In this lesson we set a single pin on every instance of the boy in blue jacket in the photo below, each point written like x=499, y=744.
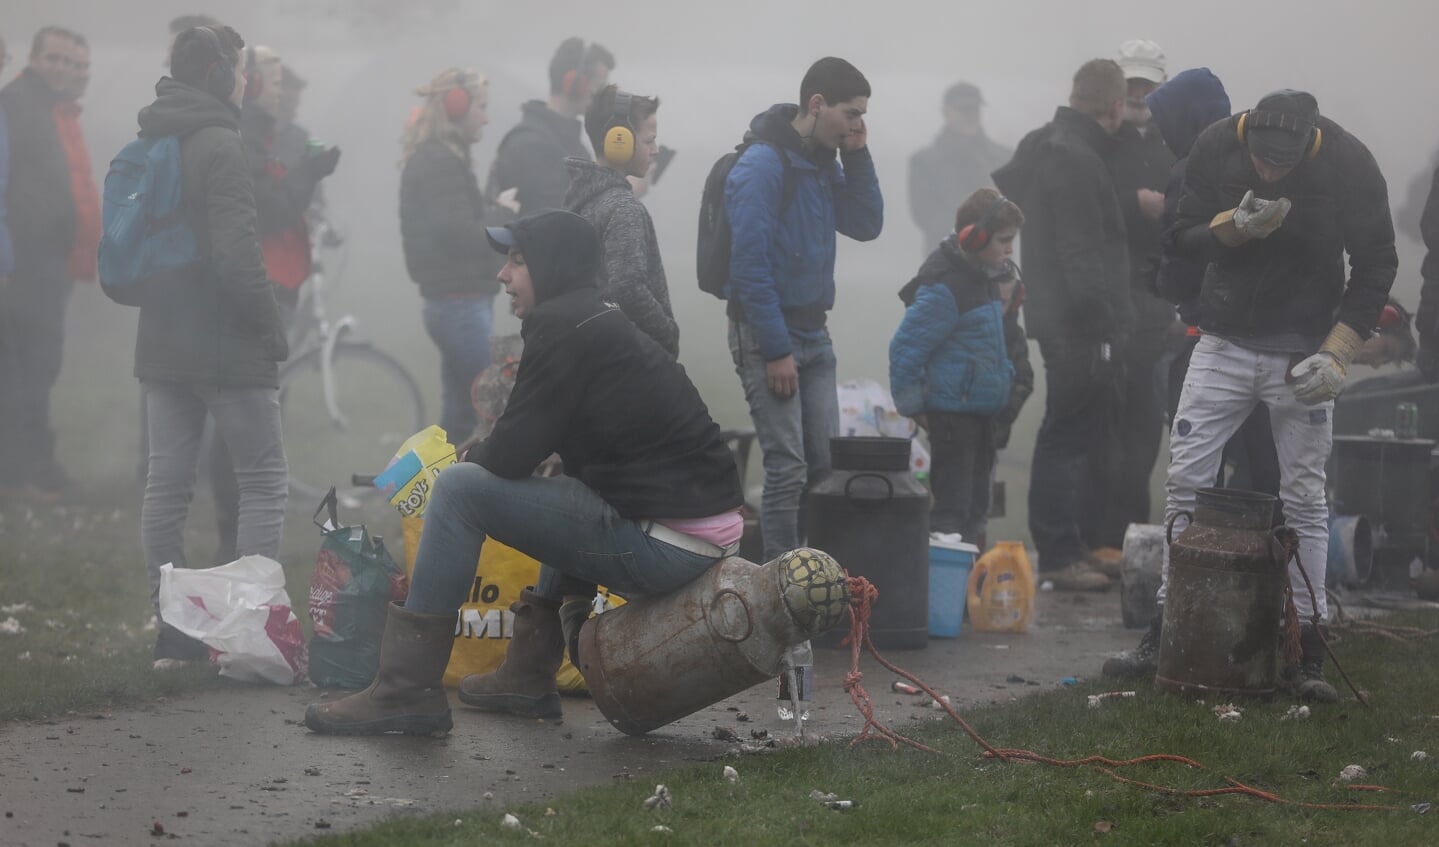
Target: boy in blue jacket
x=951, y=367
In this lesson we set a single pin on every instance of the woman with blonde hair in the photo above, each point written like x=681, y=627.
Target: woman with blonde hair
x=443, y=216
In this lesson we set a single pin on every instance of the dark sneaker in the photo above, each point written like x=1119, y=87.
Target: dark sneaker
x=1142, y=661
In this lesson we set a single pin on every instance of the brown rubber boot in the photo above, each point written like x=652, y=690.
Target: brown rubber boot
x=524, y=683
x=408, y=694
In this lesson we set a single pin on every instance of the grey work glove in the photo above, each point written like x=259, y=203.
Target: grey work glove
x=1252, y=218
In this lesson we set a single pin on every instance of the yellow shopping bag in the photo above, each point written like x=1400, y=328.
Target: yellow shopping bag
x=410, y=477
x=486, y=624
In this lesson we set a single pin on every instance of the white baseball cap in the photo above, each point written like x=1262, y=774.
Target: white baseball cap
x=1142, y=59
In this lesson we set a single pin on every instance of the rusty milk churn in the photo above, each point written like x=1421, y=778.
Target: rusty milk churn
x=1225, y=599
x=657, y=659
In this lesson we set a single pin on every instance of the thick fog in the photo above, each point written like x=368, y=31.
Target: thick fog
x=713, y=65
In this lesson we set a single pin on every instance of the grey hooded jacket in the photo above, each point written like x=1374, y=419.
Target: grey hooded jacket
x=631, y=274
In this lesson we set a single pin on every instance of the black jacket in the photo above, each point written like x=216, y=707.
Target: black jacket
x=1292, y=281
x=442, y=225
x=1141, y=160
x=216, y=324
x=532, y=157
x=1426, y=321
x=620, y=411
x=1075, y=252
x=40, y=206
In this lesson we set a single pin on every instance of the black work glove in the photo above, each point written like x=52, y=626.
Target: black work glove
x=319, y=165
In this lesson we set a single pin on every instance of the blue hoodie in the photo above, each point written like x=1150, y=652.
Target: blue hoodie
x=782, y=253
x=1182, y=108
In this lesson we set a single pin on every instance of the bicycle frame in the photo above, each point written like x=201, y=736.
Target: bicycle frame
x=315, y=328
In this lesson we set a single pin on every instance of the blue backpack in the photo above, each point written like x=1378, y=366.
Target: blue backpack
x=146, y=235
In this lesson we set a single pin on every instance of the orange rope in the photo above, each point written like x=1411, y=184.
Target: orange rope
x=863, y=594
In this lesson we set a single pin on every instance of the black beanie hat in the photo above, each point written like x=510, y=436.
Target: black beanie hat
x=1279, y=128
x=560, y=248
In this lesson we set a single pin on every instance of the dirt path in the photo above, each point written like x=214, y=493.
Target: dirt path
x=236, y=767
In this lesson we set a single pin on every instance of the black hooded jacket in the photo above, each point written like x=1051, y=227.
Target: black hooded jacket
x=620, y=411
x=1293, y=281
x=1427, y=319
x=1074, y=250
x=531, y=158
x=216, y=324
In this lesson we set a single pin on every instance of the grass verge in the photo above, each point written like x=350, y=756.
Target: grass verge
x=912, y=797
x=72, y=578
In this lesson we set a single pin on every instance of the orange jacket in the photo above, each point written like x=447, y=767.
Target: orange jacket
x=88, y=225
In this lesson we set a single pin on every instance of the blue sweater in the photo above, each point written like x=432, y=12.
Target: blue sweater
x=949, y=353
x=782, y=262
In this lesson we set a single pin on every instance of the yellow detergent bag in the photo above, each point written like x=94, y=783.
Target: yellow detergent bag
x=409, y=479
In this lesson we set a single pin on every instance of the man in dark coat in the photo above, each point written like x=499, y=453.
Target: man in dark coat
x=1140, y=165
x=531, y=157
x=953, y=167
x=210, y=339
x=1427, y=320
x=1078, y=306
x=43, y=222
x=1274, y=199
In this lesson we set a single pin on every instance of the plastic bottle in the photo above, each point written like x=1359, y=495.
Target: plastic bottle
x=1001, y=590
x=799, y=662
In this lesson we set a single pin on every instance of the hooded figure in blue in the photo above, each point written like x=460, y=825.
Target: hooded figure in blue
x=1182, y=108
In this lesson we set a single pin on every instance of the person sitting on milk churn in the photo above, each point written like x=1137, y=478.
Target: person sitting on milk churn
x=1273, y=200
x=649, y=501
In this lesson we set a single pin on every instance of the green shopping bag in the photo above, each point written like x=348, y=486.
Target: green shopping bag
x=355, y=579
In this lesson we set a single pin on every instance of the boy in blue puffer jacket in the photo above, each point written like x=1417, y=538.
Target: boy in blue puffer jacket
x=950, y=367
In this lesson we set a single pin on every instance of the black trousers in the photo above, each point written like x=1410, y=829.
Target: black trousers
x=32, y=346
x=961, y=460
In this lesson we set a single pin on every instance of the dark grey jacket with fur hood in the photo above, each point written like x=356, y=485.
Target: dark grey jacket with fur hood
x=631, y=275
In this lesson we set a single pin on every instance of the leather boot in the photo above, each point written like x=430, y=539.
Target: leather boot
x=1142, y=661
x=524, y=683
x=408, y=694
x=1306, y=679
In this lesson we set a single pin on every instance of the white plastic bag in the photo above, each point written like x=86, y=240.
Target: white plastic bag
x=240, y=610
x=866, y=408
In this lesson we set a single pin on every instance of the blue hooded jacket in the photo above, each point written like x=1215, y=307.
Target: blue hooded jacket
x=1182, y=108
x=782, y=260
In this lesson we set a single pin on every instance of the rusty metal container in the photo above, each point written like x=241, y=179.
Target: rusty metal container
x=1225, y=598
x=657, y=659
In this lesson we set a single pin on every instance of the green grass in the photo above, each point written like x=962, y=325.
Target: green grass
x=912, y=797
x=79, y=572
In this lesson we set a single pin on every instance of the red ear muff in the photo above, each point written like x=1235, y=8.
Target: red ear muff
x=576, y=85
x=973, y=238
x=457, y=103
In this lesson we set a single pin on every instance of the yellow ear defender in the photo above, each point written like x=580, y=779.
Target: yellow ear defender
x=620, y=135
x=1314, y=144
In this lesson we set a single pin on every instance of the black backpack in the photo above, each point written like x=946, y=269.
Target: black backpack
x=712, y=247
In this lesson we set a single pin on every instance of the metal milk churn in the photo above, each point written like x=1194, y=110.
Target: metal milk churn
x=873, y=515
x=1224, y=605
x=657, y=659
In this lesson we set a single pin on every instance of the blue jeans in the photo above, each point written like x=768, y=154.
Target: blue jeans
x=580, y=540
x=460, y=327
x=794, y=433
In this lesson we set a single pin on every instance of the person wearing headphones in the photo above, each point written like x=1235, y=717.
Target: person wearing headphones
x=622, y=128
x=951, y=366
x=1273, y=200
x=210, y=339
x=531, y=158
x=443, y=216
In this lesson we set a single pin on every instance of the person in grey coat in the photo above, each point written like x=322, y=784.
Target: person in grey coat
x=623, y=128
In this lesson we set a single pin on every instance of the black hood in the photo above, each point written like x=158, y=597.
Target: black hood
x=1185, y=106
x=180, y=109
x=775, y=126
x=561, y=250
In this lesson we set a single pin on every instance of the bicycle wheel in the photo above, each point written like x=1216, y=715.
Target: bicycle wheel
x=379, y=406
